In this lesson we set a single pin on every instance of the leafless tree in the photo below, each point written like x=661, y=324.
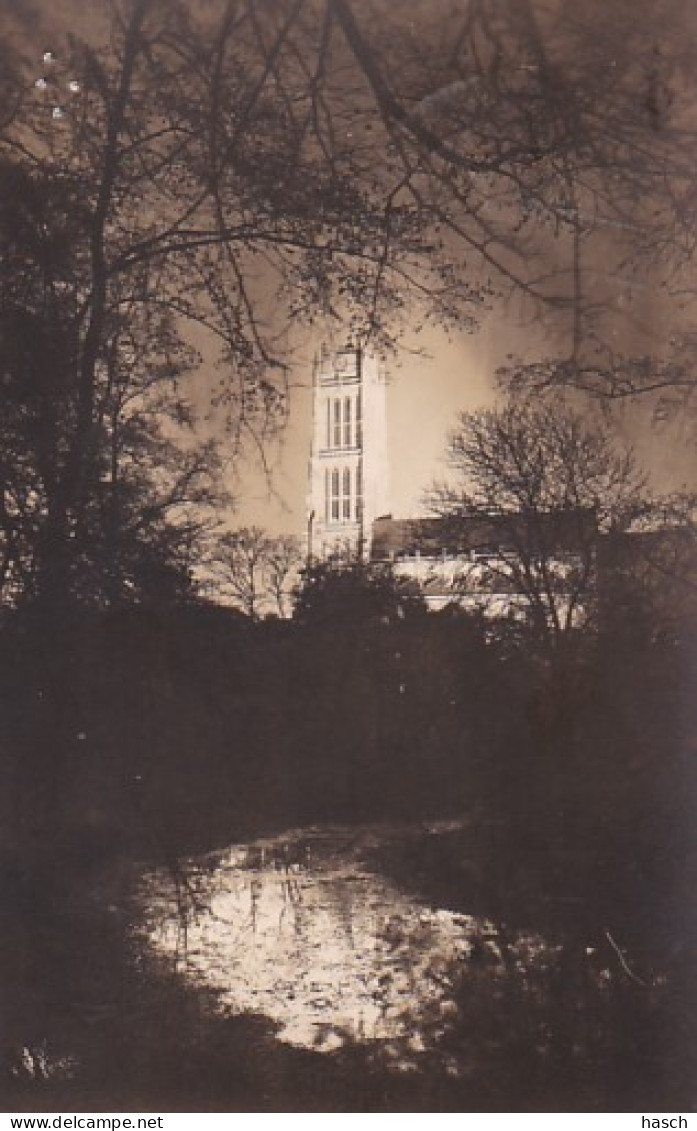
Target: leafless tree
x=557, y=148
x=254, y=569
x=539, y=481
x=283, y=558
x=553, y=147
x=239, y=568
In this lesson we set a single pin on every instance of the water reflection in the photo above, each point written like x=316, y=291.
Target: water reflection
x=305, y=932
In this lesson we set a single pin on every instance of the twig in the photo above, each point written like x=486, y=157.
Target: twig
x=623, y=962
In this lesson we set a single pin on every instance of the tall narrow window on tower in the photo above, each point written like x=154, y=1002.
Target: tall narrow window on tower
x=347, y=422
x=335, y=495
x=359, y=490
x=359, y=420
x=337, y=423
x=346, y=509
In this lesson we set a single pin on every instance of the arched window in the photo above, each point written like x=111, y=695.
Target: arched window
x=359, y=491
x=359, y=422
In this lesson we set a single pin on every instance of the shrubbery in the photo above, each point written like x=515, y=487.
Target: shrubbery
x=148, y=734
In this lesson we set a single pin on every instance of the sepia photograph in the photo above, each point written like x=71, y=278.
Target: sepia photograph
x=348, y=556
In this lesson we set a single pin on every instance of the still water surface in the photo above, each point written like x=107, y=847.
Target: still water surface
x=305, y=930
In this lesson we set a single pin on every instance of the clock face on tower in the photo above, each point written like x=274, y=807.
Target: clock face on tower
x=346, y=363
x=338, y=368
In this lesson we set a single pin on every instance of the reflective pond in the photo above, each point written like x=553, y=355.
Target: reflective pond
x=307, y=931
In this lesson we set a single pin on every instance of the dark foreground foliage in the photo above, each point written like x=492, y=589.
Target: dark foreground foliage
x=148, y=734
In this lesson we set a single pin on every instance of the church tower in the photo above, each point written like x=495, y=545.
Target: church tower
x=348, y=463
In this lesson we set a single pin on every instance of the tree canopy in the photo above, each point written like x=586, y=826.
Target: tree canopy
x=348, y=594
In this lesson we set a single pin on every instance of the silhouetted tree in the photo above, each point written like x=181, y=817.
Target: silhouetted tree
x=143, y=497
x=239, y=567
x=539, y=481
x=283, y=558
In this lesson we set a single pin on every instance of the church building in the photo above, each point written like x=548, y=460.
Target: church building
x=459, y=561
x=498, y=563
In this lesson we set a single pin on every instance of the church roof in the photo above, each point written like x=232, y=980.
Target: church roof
x=464, y=534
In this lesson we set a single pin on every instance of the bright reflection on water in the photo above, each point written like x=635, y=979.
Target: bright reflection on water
x=304, y=930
